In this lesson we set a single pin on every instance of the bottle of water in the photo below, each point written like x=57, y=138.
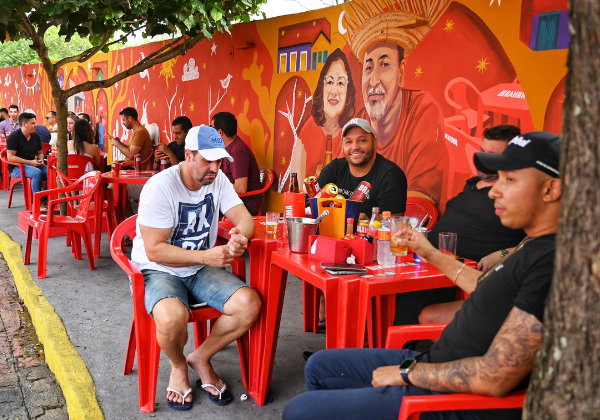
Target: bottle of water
x=384, y=256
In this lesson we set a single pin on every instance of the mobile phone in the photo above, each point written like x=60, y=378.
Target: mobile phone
x=342, y=267
x=338, y=273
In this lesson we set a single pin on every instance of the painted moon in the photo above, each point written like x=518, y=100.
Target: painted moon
x=340, y=24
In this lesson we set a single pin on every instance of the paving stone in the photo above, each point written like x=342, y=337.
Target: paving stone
x=55, y=414
x=10, y=394
x=13, y=411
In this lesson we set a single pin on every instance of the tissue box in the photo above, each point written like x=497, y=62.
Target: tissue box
x=330, y=250
x=362, y=250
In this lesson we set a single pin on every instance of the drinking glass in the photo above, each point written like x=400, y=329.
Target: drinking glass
x=398, y=223
x=272, y=220
x=447, y=243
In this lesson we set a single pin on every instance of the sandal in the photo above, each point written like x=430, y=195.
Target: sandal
x=182, y=406
x=224, y=396
x=321, y=324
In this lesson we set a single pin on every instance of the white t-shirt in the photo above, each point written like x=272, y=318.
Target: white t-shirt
x=192, y=216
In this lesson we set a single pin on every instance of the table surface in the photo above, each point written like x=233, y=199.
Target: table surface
x=128, y=176
x=490, y=97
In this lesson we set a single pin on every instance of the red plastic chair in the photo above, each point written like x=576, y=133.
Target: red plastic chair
x=76, y=223
x=464, y=93
x=412, y=407
x=45, y=148
x=9, y=182
x=423, y=210
x=267, y=176
x=77, y=165
x=148, y=163
x=143, y=330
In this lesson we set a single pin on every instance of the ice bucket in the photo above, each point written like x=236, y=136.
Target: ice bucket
x=298, y=234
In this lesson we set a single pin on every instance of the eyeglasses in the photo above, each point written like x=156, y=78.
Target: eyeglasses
x=341, y=83
x=49, y=117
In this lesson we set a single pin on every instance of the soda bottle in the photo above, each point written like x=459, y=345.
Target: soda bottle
x=137, y=159
x=349, y=230
x=374, y=224
x=384, y=256
x=294, y=188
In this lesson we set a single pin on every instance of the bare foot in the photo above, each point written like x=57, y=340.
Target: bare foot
x=179, y=381
x=206, y=373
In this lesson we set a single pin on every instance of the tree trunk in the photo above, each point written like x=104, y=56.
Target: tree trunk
x=565, y=383
x=62, y=136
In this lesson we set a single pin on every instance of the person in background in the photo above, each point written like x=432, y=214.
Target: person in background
x=51, y=122
x=83, y=144
x=3, y=114
x=11, y=123
x=71, y=120
x=85, y=117
x=41, y=130
x=175, y=150
x=243, y=172
x=140, y=142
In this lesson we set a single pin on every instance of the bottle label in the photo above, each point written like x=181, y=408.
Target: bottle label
x=384, y=236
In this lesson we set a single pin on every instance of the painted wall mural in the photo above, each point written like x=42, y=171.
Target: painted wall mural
x=430, y=75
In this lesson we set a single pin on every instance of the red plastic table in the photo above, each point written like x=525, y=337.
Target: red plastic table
x=125, y=177
x=505, y=99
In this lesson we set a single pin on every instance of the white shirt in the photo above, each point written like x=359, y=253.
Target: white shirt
x=192, y=216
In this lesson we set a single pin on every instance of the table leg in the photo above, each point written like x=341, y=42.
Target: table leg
x=98, y=204
x=309, y=293
x=332, y=302
x=348, y=318
x=363, y=306
x=122, y=207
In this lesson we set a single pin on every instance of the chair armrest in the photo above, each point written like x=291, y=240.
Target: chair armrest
x=414, y=405
x=397, y=337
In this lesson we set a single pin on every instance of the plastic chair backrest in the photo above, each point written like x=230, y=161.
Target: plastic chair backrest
x=77, y=165
x=267, y=177
x=45, y=148
x=90, y=183
x=126, y=228
x=458, y=86
x=423, y=210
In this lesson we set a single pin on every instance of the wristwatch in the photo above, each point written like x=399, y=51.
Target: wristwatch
x=504, y=253
x=405, y=367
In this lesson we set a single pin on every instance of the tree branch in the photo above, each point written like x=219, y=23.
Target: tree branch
x=84, y=56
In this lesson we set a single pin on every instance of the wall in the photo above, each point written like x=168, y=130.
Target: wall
x=470, y=67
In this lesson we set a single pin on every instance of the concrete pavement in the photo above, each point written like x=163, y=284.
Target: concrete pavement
x=95, y=307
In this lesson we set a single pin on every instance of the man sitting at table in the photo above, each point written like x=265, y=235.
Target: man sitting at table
x=490, y=347
x=175, y=250
x=361, y=162
x=175, y=150
x=24, y=146
x=472, y=217
x=243, y=172
x=140, y=142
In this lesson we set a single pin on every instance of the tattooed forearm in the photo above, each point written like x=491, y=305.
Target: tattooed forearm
x=509, y=359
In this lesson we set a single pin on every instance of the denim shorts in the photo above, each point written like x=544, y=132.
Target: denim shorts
x=211, y=285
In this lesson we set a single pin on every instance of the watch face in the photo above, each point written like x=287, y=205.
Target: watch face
x=408, y=363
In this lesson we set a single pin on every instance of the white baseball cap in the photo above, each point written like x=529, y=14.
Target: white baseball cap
x=357, y=122
x=208, y=142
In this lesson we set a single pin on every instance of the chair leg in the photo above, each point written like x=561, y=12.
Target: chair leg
x=200, y=333
x=89, y=250
x=148, y=356
x=243, y=344
x=76, y=245
x=42, y=251
x=130, y=350
x=28, y=245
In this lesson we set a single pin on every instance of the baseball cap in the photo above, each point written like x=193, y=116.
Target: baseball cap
x=208, y=142
x=29, y=111
x=357, y=122
x=537, y=149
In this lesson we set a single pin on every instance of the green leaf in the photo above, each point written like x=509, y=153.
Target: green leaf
x=216, y=14
x=245, y=18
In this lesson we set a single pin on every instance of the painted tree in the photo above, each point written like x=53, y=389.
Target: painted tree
x=186, y=21
x=566, y=381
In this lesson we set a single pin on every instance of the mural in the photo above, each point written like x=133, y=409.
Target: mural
x=429, y=75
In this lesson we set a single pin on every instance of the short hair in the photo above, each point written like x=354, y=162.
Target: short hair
x=4, y=110
x=13, y=106
x=129, y=112
x=69, y=113
x=225, y=121
x=85, y=116
x=501, y=132
x=25, y=117
x=184, y=122
x=53, y=113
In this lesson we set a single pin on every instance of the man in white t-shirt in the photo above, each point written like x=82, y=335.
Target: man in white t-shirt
x=175, y=250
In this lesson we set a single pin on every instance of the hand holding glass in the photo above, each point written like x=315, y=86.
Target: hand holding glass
x=399, y=230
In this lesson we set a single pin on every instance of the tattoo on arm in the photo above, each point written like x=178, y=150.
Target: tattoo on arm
x=509, y=359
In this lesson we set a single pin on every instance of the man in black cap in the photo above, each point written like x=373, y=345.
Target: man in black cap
x=491, y=345
x=361, y=162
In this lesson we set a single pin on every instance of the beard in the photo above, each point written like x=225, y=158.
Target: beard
x=376, y=108
x=487, y=177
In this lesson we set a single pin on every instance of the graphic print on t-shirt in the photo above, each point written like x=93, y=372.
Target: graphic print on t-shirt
x=194, y=224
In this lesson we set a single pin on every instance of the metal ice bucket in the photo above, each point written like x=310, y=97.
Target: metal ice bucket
x=298, y=234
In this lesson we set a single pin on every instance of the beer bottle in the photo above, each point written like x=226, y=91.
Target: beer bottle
x=328, y=152
x=294, y=188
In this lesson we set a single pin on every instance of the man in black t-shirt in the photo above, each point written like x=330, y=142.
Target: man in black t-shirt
x=471, y=216
x=175, y=150
x=24, y=146
x=491, y=345
x=361, y=162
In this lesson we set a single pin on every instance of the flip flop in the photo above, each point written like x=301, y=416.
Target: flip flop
x=321, y=325
x=224, y=396
x=183, y=406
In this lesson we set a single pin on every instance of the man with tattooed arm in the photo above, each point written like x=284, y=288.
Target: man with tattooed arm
x=491, y=345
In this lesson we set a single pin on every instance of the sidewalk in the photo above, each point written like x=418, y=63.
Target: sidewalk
x=28, y=389
x=95, y=308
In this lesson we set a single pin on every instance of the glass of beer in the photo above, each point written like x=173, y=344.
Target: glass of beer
x=447, y=243
x=399, y=223
x=272, y=219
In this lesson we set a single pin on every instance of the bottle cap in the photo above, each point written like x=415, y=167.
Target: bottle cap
x=387, y=214
x=350, y=220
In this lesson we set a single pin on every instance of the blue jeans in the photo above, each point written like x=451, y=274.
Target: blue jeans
x=37, y=176
x=339, y=387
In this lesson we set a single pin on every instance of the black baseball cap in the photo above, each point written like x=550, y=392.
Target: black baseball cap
x=537, y=149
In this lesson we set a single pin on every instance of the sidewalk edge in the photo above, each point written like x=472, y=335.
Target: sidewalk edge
x=63, y=360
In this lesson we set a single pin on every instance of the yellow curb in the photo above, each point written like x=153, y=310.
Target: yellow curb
x=70, y=370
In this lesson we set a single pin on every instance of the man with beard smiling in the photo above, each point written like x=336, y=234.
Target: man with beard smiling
x=361, y=162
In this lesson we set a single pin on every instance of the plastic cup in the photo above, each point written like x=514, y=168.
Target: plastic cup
x=398, y=223
x=272, y=220
x=447, y=243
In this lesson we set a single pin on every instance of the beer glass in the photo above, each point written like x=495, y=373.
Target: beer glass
x=398, y=223
x=447, y=243
x=272, y=219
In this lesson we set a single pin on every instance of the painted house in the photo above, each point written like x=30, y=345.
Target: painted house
x=303, y=46
x=545, y=24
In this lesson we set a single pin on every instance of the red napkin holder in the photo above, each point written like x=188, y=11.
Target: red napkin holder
x=362, y=250
x=329, y=250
